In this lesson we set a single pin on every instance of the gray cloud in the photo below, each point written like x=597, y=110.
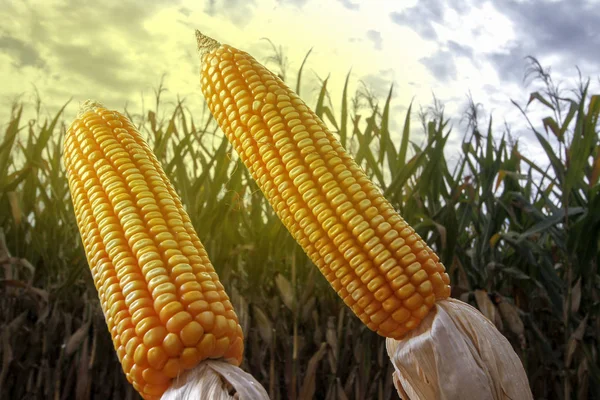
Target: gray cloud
x=127, y=16
x=72, y=43
x=422, y=16
x=349, y=4
x=299, y=3
x=567, y=28
x=510, y=63
x=564, y=28
x=103, y=66
x=185, y=11
x=441, y=65
x=375, y=37
x=25, y=55
x=459, y=49
x=423, y=27
x=237, y=11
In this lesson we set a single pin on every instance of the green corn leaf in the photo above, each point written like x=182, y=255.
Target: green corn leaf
x=298, y=81
x=386, y=144
x=344, y=116
x=321, y=99
x=537, y=96
x=404, y=141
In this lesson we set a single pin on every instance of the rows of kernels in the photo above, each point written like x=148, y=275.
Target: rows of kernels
x=379, y=266
x=163, y=302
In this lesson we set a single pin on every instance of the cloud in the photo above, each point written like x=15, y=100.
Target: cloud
x=423, y=16
x=460, y=50
x=78, y=49
x=299, y=3
x=510, y=62
x=128, y=17
x=441, y=65
x=23, y=53
x=375, y=37
x=422, y=25
x=566, y=30
x=562, y=33
x=240, y=12
x=97, y=55
x=185, y=11
x=74, y=43
x=349, y=4
x=103, y=66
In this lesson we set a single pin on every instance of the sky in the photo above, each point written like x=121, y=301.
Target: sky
x=116, y=51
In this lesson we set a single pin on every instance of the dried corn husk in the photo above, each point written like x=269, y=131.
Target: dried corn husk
x=215, y=380
x=488, y=309
x=457, y=353
x=511, y=315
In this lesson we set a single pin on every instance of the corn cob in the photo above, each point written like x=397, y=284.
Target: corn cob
x=375, y=261
x=441, y=348
x=163, y=303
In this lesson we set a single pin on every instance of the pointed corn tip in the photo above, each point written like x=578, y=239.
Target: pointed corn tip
x=205, y=44
x=88, y=105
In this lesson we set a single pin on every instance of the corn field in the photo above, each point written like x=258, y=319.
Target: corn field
x=520, y=242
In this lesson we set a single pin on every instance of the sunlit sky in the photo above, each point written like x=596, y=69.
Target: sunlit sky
x=115, y=51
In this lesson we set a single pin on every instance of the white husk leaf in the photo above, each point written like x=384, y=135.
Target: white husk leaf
x=213, y=379
x=457, y=353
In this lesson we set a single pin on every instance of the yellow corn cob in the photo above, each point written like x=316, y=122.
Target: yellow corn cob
x=163, y=303
x=375, y=261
